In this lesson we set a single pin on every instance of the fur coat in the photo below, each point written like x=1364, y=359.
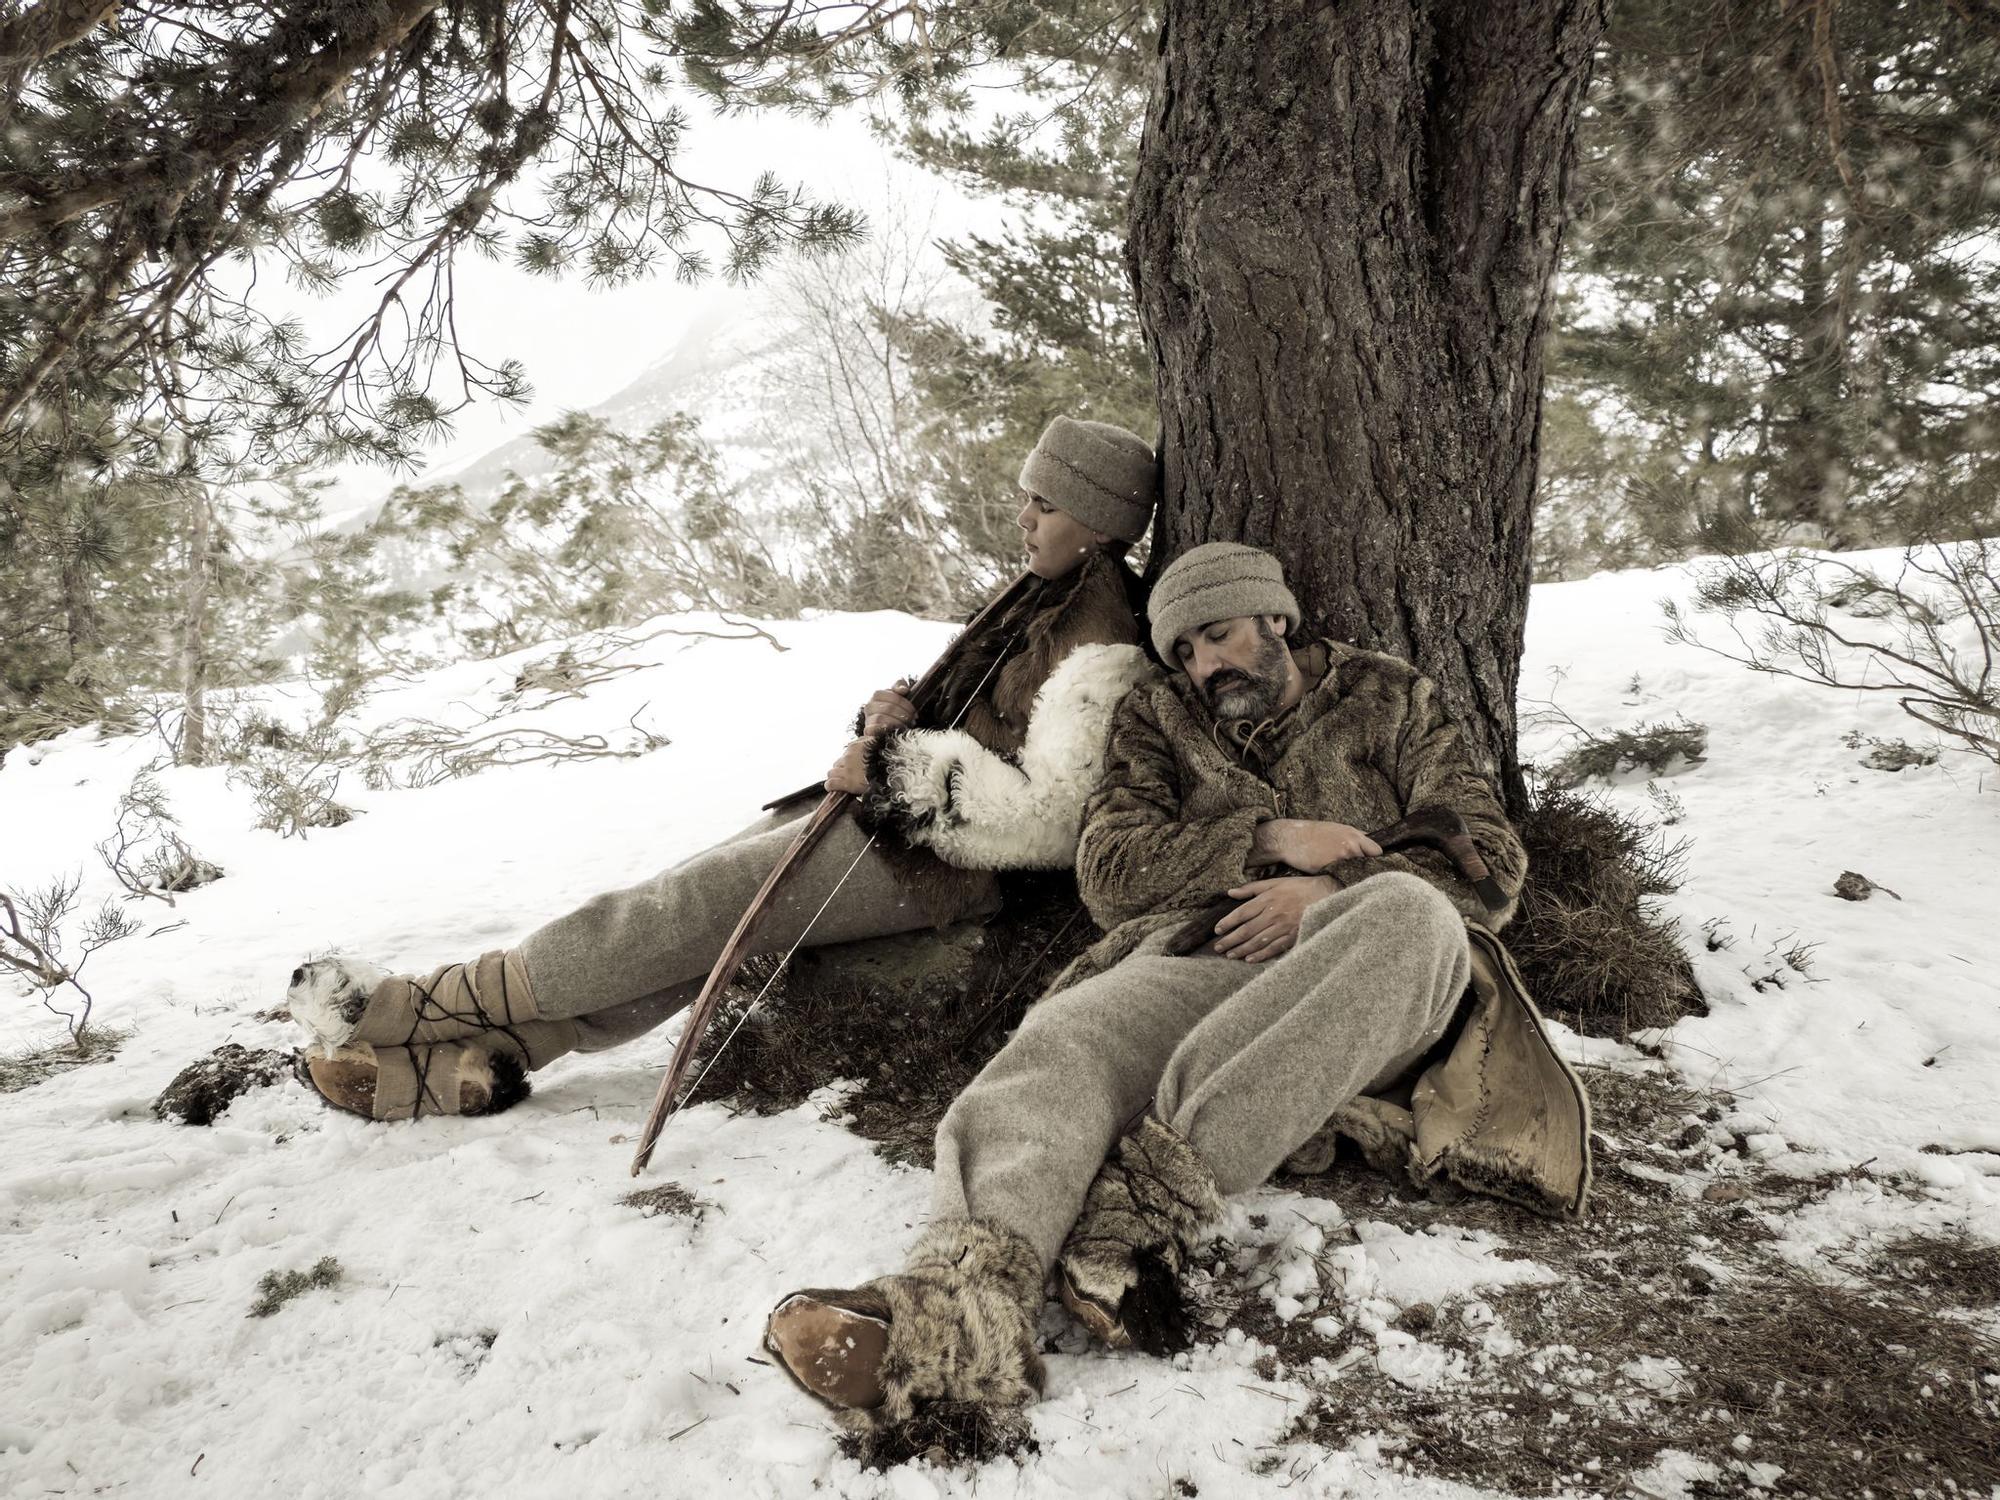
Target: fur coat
x=1000, y=783
x=1168, y=831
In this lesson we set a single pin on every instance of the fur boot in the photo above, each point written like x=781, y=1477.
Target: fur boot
x=956, y=1325
x=481, y=1077
x=1120, y=1267
x=347, y=1000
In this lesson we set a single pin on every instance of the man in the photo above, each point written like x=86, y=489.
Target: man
x=1249, y=772
x=995, y=779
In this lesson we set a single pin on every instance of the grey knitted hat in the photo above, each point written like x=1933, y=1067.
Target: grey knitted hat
x=1102, y=475
x=1216, y=581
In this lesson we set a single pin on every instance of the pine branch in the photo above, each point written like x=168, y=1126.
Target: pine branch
x=43, y=30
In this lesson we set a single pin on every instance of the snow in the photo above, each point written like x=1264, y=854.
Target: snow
x=505, y=1324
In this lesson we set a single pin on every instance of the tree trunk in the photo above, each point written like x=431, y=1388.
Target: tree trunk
x=194, y=627
x=1344, y=237
x=79, y=597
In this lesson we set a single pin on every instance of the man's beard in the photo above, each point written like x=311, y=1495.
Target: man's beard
x=1251, y=693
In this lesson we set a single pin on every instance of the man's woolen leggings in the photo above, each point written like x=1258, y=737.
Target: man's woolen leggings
x=1245, y=1061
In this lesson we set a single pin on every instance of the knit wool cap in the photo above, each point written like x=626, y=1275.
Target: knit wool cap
x=1216, y=581
x=1102, y=475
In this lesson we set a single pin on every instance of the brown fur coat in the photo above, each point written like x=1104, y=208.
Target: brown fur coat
x=1169, y=828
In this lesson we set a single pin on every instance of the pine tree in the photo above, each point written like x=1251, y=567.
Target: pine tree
x=1064, y=338
x=1783, y=276
x=621, y=528
x=143, y=163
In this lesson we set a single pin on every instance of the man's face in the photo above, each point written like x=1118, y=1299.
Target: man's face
x=1237, y=666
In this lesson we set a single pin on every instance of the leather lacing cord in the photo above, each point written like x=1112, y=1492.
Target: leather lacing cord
x=430, y=1008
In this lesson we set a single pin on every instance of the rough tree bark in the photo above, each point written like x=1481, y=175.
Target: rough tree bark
x=1344, y=235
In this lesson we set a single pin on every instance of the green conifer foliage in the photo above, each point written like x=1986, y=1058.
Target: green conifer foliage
x=1064, y=338
x=1783, y=296
x=146, y=167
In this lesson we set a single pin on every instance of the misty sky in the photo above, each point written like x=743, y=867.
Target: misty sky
x=581, y=345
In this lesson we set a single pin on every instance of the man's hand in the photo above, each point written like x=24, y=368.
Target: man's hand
x=1307, y=845
x=1267, y=923
x=888, y=710
x=848, y=774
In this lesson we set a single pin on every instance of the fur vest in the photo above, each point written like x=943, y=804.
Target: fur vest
x=1168, y=831
x=1000, y=781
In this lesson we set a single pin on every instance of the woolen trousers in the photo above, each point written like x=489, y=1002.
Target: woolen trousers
x=1245, y=1061
x=627, y=960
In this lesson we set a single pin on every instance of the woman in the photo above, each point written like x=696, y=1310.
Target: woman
x=993, y=777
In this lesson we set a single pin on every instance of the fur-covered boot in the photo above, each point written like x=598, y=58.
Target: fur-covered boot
x=481, y=1077
x=1120, y=1267
x=347, y=1000
x=956, y=1325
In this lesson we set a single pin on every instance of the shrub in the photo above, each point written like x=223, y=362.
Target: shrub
x=1930, y=634
x=1657, y=747
x=1591, y=947
x=276, y=1288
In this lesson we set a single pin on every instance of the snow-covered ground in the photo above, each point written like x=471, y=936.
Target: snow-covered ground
x=506, y=1326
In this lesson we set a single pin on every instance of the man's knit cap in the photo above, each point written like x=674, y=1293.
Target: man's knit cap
x=1102, y=475
x=1216, y=581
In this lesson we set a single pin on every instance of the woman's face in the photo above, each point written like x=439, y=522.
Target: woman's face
x=1057, y=542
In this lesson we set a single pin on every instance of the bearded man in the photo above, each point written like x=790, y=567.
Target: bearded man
x=1349, y=993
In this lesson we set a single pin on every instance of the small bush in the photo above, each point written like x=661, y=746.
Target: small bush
x=1889, y=755
x=33, y=1065
x=1591, y=949
x=292, y=798
x=165, y=869
x=1657, y=747
x=34, y=928
x=1928, y=629
x=276, y=1288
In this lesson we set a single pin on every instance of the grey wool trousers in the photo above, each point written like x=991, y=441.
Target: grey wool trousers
x=1245, y=1061
x=626, y=960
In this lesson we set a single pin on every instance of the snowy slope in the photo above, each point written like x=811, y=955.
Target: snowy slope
x=506, y=1326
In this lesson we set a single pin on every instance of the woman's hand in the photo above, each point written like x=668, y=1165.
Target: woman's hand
x=887, y=710
x=1267, y=923
x=849, y=773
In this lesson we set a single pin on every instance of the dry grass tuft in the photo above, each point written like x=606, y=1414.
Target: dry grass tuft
x=668, y=1198
x=1657, y=747
x=33, y=1065
x=1941, y=1268
x=946, y=1433
x=276, y=1288
x=1591, y=950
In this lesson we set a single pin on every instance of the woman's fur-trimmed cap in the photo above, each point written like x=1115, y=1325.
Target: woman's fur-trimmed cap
x=1216, y=581
x=1101, y=474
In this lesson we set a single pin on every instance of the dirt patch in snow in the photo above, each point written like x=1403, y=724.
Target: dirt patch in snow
x=1672, y=1323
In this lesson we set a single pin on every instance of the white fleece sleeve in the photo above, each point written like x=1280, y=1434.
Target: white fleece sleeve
x=983, y=811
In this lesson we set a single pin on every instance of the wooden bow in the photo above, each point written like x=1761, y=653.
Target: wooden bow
x=738, y=948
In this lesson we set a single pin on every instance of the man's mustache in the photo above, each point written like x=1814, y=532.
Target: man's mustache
x=1222, y=681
